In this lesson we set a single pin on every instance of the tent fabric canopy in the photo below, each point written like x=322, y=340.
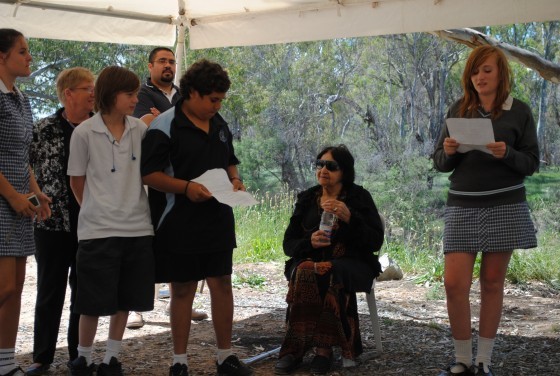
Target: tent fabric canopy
x=221, y=23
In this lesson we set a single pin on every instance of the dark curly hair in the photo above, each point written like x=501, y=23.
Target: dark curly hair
x=205, y=77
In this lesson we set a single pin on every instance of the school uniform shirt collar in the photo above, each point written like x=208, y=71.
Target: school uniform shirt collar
x=99, y=126
x=5, y=90
x=506, y=106
x=3, y=87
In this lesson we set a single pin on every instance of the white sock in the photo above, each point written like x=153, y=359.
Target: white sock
x=113, y=349
x=484, y=352
x=180, y=358
x=86, y=353
x=223, y=354
x=463, y=354
x=7, y=360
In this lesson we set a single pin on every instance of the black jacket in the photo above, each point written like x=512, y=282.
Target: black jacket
x=362, y=237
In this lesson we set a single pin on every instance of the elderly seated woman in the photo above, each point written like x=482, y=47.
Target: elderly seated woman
x=326, y=269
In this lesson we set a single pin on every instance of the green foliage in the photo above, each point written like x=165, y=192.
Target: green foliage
x=260, y=228
x=50, y=57
x=431, y=271
x=436, y=292
x=252, y=280
x=385, y=97
x=413, y=214
x=411, y=207
x=542, y=187
x=541, y=264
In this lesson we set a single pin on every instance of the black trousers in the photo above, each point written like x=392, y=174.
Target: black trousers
x=56, y=266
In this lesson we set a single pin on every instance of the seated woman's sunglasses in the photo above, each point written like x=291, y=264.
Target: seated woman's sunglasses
x=330, y=165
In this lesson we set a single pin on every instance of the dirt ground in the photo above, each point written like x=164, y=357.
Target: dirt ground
x=414, y=330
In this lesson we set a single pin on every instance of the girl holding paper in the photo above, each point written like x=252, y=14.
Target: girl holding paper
x=486, y=209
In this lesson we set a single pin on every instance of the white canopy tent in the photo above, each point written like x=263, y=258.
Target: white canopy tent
x=219, y=23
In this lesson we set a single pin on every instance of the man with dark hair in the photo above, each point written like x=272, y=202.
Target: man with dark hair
x=195, y=236
x=157, y=95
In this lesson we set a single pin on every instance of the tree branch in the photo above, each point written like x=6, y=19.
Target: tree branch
x=472, y=38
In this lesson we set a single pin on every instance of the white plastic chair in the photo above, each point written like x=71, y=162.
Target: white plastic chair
x=374, y=318
x=373, y=315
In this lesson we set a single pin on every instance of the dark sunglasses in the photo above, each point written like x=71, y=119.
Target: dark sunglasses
x=330, y=165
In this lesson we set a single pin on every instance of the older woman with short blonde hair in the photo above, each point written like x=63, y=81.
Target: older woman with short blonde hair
x=55, y=238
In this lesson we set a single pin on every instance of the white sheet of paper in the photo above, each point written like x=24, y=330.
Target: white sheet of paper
x=471, y=134
x=217, y=182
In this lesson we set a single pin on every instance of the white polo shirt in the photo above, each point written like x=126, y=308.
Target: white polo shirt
x=114, y=202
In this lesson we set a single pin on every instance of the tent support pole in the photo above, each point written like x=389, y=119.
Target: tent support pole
x=180, y=54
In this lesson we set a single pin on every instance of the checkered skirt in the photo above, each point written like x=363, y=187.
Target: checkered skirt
x=493, y=229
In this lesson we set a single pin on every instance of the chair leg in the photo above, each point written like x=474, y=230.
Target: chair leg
x=374, y=317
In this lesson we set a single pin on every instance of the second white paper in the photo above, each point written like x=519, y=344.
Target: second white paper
x=217, y=182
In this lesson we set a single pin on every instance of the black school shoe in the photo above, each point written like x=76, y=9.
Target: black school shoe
x=286, y=365
x=468, y=371
x=38, y=370
x=79, y=367
x=320, y=364
x=480, y=371
x=114, y=368
x=179, y=369
x=232, y=366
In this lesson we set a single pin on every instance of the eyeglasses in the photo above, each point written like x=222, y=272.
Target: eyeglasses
x=89, y=89
x=164, y=61
x=330, y=165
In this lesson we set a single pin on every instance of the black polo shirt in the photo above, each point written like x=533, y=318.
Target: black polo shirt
x=173, y=144
x=150, y=96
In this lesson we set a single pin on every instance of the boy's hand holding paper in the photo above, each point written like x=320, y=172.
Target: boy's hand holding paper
x=217, y=182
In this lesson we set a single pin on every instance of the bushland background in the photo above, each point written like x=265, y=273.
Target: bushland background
x=386, y=99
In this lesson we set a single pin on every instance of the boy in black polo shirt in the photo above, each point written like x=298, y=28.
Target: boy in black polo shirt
x=157, y=95
x=195, y=236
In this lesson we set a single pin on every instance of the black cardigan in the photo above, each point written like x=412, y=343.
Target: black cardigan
x=476, y=173
x=362, y=237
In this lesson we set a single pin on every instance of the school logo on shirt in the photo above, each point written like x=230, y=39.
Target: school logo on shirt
x=223, y=136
